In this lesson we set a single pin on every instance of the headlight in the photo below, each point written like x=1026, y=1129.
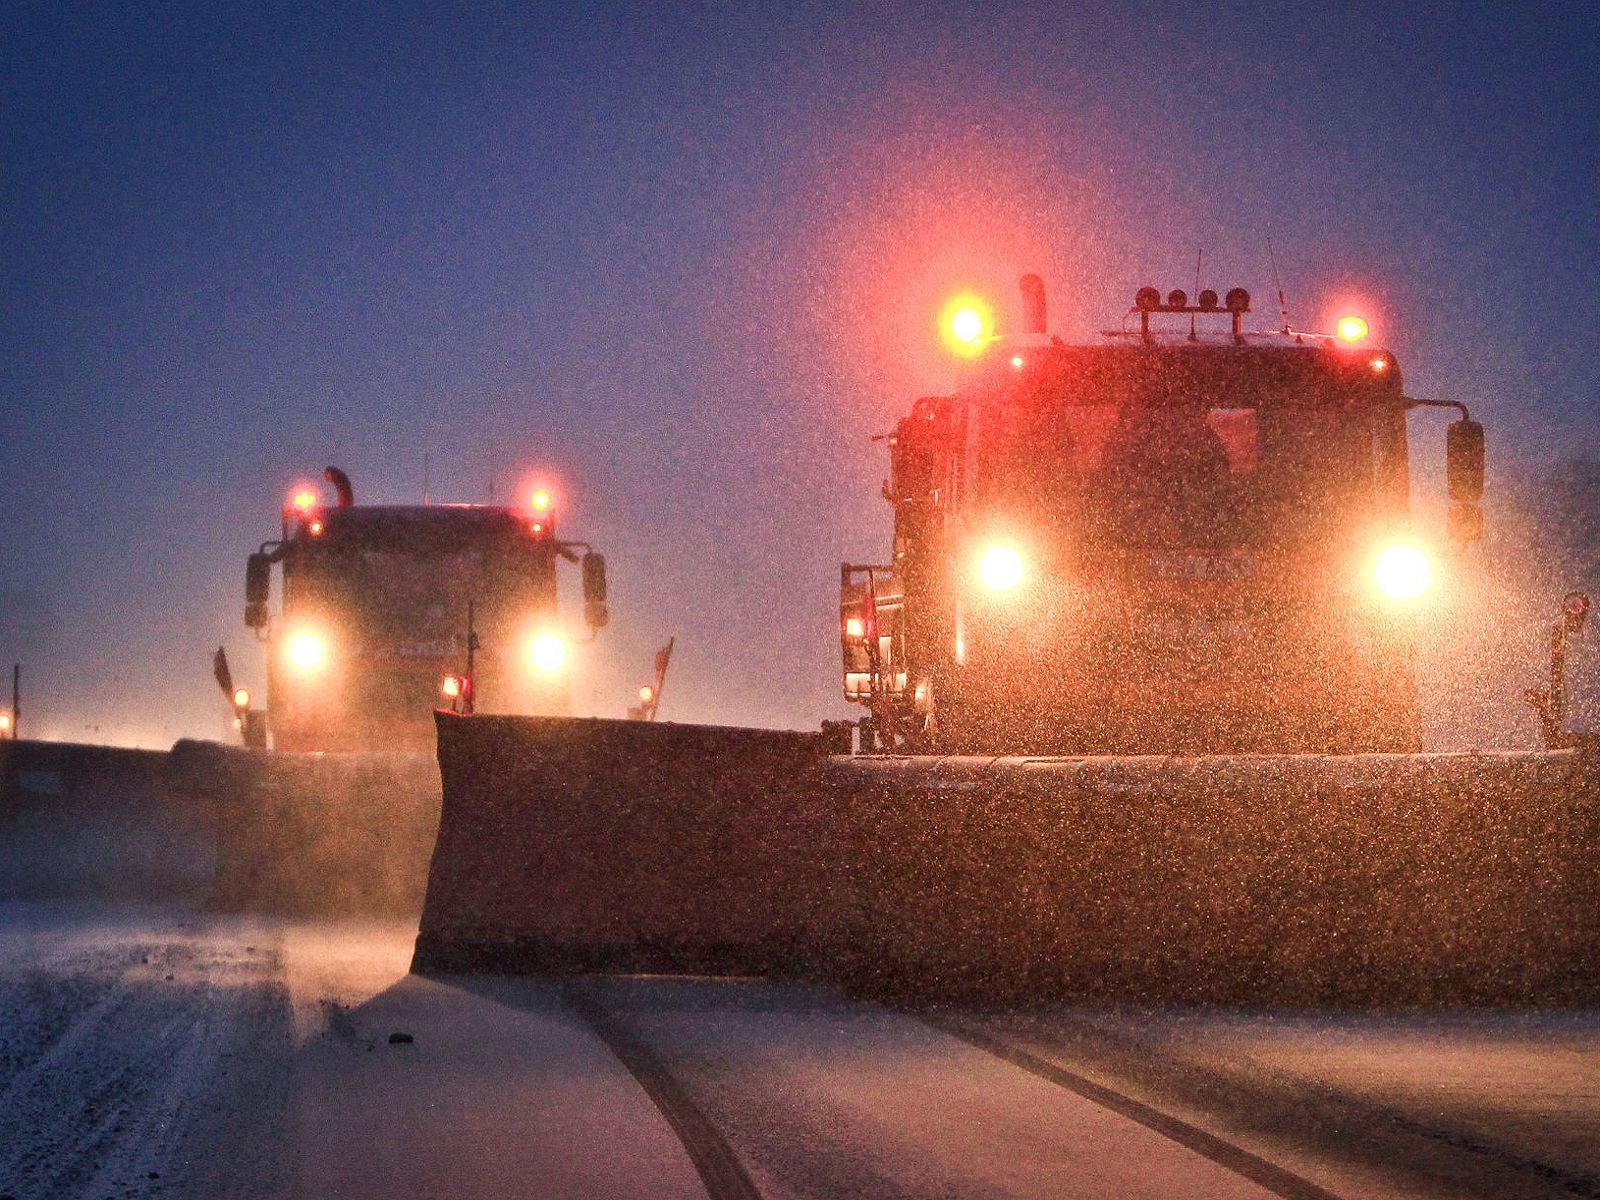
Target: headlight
x=1402, y=571
x=548, y=652
x=307, y=651
x=1000, y=568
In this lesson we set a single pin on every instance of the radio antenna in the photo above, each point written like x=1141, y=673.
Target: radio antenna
x=427, y=478
x=1283, y=301
x=1199, y=257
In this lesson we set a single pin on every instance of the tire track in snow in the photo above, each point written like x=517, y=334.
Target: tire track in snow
x=101, y=1109
x=1242, y=1162
x=720, y=1169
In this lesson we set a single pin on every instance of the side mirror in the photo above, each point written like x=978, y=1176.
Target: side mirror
x=257, y=587
x=595, y=613
x=1464, y=460
x=594, y=578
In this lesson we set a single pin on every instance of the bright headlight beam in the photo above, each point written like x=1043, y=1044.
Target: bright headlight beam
x=1402, y=571
x=1000, y=568
x=549, y=652
x=306, y=651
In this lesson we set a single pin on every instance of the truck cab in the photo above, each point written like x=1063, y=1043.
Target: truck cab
x=389, y=611
x=1173, y=542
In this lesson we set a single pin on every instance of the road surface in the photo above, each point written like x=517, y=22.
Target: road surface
x=146, y=1053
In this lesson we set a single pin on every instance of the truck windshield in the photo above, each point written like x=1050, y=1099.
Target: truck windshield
x=1178, y=476
x=413, y=602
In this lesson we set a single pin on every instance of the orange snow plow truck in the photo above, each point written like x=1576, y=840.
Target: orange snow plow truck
x=1142, y=722
x=385, y=613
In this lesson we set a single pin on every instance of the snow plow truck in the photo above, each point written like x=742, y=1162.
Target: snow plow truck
x=385, y=613
x=1142, y=722
x=1172, y=543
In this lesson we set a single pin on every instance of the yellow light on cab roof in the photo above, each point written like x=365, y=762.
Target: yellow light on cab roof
x=1351, y=329
x=967, y=325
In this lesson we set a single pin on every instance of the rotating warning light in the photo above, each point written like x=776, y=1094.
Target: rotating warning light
x=450, y=687
x=5, y=722
x=1351, y=329
x=646, y=694
x=304, y=500
x=1000, y=567
x=241, y=698
x=967, y=325
x=855, y=627
x=307, y=651
x=548, y=652
x=540, y=500
x=1402, y=571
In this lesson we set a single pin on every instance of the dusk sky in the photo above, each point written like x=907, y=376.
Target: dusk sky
x=683, y=262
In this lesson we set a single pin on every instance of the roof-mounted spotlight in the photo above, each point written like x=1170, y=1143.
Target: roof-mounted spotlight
x=1208, y=301
x=1177, y=298
x=1237, y=301
x=1147, y=299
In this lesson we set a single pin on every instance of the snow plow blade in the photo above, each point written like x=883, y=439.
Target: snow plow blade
x=312, y=834
x=1294, y=880
x=593, y=845
x=97, y=823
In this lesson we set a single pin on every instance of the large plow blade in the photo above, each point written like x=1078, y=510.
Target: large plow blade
x=97, y=822
x=218, y=826
x=627, y=845
x=1370, y=880
x=1366, y=880
x=313, y=834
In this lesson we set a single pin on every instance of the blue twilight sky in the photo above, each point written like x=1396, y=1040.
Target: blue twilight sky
x=684, y=261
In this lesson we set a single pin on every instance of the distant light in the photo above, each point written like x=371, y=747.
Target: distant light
x=316, y=528
x=967, y=325
x=538, y=526
x=241, y=697
x=1018, y=361
x=1000, y=567
x=1379, y=365
x=238, y=722
x=646, y=694
x=549, y=652
x=450, y=687
x=1402, y=571
x=306, y=651
x=5, y=722
x=1351, y=329
x=304, y=501
x=540, y=500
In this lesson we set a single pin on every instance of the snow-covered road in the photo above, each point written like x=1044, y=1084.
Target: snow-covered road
x=146, y=1054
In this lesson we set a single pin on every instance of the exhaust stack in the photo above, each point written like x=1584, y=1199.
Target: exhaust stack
x=341, y=484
